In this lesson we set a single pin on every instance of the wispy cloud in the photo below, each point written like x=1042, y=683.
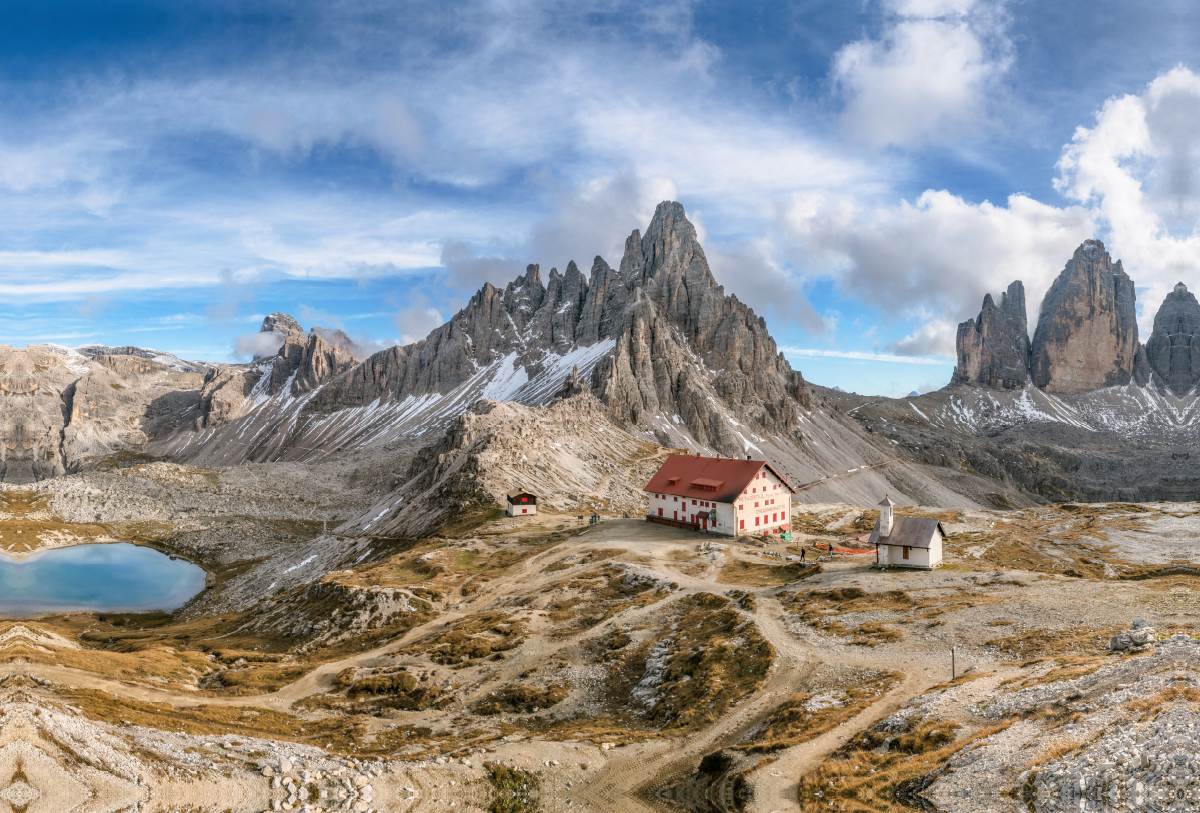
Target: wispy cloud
x=863, y=356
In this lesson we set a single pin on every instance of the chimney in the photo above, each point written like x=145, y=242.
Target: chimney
x=885, y=518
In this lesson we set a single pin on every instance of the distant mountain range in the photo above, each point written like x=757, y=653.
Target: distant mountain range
x=1081, y=411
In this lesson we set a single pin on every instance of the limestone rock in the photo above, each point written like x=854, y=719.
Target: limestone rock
x=320, y=361
x=1136, y=639
x=993, y=350
x=223, y=395
x=1086, y=336
x=302, y=362
x=1173, y=351
x=282, y=324
x=680, y=346
x=677, y=313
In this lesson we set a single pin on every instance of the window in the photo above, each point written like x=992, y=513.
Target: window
x=756, y=505
x=693, y=502
x=906, y=551
x=524, y=499
x=676, y=499
x=524, y=510
x=742, y=525
x=756, y=522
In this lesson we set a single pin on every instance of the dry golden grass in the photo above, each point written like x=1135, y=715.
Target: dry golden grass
x=760, y=574
x=714, y=657
x=471, y=638
x=590, y=598
x=344, y=733
x=792, y=723
x=859, y=780
x=1040, y=643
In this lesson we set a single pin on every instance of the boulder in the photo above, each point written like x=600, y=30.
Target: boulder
x=1086, y=335
x=1134, y=640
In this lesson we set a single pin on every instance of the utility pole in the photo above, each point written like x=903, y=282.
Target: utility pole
x=953, y=665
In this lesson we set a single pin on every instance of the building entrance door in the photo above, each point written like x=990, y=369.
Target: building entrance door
x=704, y=523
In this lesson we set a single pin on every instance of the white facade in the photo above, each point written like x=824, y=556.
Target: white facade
x=905, y=556
x=765, y=506
x=521, y=509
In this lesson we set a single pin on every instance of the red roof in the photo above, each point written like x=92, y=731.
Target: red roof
x=720, y=479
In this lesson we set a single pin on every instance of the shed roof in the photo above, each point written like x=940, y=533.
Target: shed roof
x=520, y=492
x=909, y=532
x=720, y=479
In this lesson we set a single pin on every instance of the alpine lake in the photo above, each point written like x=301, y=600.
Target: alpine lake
x=106, y=577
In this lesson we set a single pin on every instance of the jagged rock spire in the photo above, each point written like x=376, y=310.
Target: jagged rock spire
x=1086, y=336
x=993, y=350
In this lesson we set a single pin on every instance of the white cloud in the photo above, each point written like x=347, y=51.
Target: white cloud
x=751, y=271
x=940, y=254
x=934, y=336
x=257, y=345
x=1137, y=167
x=416, y=321
x=929, y=77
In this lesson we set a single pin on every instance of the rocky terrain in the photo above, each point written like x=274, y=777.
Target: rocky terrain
x=551, y=664
x=374, y=635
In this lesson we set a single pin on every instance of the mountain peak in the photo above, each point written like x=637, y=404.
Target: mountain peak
x=282, y=324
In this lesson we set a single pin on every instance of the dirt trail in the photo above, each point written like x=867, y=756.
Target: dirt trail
x=775, y=785
x=627, y=781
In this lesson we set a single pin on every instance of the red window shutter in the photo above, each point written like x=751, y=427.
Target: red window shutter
x=743, y=525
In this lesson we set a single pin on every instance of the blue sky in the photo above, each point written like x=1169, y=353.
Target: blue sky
x=860, y=173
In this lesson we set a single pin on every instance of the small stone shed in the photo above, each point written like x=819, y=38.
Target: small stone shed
x=521, y=503
x=912, y=542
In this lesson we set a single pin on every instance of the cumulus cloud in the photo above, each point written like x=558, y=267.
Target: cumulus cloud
x=417, y=319
x=928, y=77
x=939, y=253
x=934, y=336
x=469, y=271
x=256, y=345
x=1137, y=167
x=595, y=217
x=751, y=271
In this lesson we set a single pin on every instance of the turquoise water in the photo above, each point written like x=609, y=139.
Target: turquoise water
x=117, y=577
